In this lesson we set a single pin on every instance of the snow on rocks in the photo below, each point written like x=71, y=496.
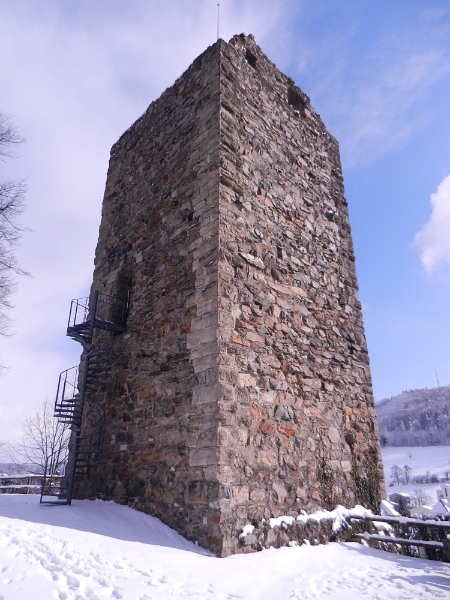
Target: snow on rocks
x=280, y=521
x=320, y=526
x=98, y=550
x=247, y=530
x=339, y=515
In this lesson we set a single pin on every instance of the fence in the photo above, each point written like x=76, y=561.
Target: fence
x=27, y=483
x=424, y=538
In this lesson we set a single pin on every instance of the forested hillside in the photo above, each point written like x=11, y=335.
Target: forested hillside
x=415, y=418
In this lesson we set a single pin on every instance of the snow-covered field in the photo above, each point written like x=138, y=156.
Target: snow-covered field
x=96, y=550
x=435, y=459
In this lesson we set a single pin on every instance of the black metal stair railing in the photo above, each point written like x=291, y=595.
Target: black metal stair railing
x=69, y=403
x=54, y=488
x=80, y=326
x=110, y=313
x=84, y=451
x=74, y=387
x=103, y=312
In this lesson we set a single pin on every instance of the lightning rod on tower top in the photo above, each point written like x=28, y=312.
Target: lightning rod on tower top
x=218, y=21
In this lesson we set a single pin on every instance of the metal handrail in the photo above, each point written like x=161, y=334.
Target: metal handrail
x=52, y=480
x=79, y=310
x=101, y=306
x=67, y=385
x=111, y=309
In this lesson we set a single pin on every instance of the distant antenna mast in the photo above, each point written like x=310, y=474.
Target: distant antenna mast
x=218, y=21
x=437, y=379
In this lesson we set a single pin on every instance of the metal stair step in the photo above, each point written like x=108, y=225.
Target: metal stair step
x=68, y=419
x=98, y=374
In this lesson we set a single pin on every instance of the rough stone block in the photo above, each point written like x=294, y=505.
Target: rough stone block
x=203, y=457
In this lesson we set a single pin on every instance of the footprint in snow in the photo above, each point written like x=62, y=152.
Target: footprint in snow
x=72, y=582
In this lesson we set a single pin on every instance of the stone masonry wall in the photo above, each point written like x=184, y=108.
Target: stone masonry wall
x=300, y=428
x=159, y=234
x=241, y=389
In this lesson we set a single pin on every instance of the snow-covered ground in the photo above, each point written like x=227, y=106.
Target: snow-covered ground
x=435, y=459
x=96, y=550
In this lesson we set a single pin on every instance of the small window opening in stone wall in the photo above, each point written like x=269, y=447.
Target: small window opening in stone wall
x=187, y=214
x=250, y=58
x=124, y=283
x=297, y=100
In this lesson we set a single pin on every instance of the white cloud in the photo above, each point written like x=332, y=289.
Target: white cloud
x=433, y=240
x=375, y=97
x=384, y=109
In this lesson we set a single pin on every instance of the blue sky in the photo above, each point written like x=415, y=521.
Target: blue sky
x=75, y=74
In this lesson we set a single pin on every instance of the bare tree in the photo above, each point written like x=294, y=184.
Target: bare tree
x=407, y=470
x=419, y=497
x=43, y=439
x=12, y=195
x=396, y=473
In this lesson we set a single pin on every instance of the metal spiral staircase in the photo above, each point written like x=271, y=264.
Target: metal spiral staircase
x=75, y=387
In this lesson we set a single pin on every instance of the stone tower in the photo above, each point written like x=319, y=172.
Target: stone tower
x=241, y=387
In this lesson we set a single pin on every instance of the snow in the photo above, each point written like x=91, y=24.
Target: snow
x=435, y=459
x=247, y=530
x=339, y=515
x=440, y=508
x=280, y=521
x=96, y=550
x=387, y=509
